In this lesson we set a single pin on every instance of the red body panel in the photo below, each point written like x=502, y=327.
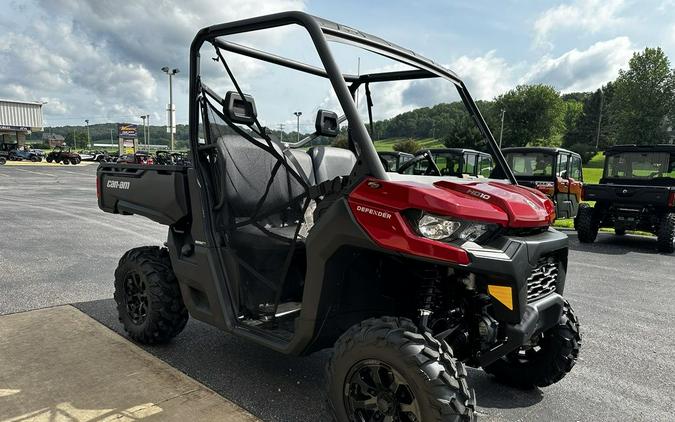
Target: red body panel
x=377, y=207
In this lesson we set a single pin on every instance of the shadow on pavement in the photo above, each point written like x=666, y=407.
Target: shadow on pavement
x=610, y=244
x=272, y=386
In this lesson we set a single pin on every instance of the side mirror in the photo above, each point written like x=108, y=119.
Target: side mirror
x=327, y=123
x=240, y=110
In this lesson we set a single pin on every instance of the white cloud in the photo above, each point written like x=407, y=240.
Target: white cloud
x=102, y=59
x=584, y=70
x=485, y=76
x=586, y=15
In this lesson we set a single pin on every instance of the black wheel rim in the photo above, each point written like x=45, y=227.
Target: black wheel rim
x=136, y=298
x=376, y=392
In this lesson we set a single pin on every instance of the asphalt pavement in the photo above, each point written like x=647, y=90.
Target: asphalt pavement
x=56, y=248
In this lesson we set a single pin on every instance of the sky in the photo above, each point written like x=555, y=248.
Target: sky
x=101, y=60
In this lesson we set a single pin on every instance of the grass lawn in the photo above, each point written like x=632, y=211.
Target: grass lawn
x=425, y=143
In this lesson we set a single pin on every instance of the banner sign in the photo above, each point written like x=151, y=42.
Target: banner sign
x=15, y=128
x=127, y=131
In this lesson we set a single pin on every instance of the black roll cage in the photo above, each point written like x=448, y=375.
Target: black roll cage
x=320, y=31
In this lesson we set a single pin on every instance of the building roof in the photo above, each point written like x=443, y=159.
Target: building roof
x=20, y=115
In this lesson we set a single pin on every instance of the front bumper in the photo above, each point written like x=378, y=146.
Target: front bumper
x=512, y=261
x=538, y=317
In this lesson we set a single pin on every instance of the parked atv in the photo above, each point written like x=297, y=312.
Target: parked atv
x=4, y=152
x=456, y=162
x=21, y=154
x=556, y=172
x=636, y=192
x=63, y=155
x=407, y=277
x=97, y=156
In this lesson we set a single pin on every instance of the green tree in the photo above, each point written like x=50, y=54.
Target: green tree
x=644, y=99
x=534, y=115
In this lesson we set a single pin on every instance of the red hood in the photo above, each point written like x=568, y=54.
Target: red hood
x=489, y=201
x=524, y=206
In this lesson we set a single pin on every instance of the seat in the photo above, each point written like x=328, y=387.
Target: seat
x=330, y=162
x=248, y=169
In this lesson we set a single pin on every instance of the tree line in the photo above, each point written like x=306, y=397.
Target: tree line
x=636, y=108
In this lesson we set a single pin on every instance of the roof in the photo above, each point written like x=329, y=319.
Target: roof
x=451, y=150
x=545, y=150
x=20, y=115
x=640, y=148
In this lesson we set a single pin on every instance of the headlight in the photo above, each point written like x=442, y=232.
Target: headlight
x=448, y=229
x=437, y=228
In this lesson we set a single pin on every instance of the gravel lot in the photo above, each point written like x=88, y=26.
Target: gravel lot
x=56, y=247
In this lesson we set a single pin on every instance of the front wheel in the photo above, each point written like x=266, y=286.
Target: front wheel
x=149, y=302
x=3, y=160
x=35, y=158
x=65, y=161
x=383, y=369
x=545, y=362
x=49, y=159
x=586, y=224
x=74, y=161
x=665, y=233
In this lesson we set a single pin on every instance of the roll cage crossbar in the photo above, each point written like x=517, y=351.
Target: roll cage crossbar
x=321, y=31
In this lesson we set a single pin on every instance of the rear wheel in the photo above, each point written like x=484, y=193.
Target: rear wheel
x=74, y=161
x=3, y=160
x=545, y=363
x=65, y=161
x=666, y=233
x=384, y=370
x=35, y=158
x=149, y=302
x=49, y=159
x=586, y=224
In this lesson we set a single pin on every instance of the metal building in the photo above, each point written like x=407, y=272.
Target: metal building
x=17, y=119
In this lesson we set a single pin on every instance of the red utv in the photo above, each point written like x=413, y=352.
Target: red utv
x=407, y=277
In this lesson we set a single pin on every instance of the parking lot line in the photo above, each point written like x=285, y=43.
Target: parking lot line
x=59, y=364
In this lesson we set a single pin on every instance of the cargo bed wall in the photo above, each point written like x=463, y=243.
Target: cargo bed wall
x=156, y=192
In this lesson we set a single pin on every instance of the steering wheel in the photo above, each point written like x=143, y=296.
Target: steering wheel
x=432, y=168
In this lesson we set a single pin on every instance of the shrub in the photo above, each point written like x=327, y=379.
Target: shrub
x=409, y=145
x=586, y=151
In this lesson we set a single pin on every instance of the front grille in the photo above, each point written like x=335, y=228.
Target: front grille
x=526, y=231
x=542, y=281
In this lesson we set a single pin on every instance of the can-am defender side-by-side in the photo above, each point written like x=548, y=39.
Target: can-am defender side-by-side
x=556, y=172
x=636, y=192
x=408, y=278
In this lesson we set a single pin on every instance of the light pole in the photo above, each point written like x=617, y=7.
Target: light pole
x=298, y=114
x=145, y=133
x=171, y=109
x=597, y=136
x=501, y=131
x=148, y=140
x=88, y=137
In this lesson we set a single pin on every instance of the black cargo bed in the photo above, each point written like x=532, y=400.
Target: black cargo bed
x=157, y=192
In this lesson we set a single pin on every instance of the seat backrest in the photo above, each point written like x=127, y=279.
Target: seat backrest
x=330, y=162
x=248, y=169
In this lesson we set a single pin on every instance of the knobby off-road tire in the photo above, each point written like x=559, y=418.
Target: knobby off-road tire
x=415, y=373
x=665, y=233
x=3, y=160
x=558, y=352
x=149, y=302
x=49, y=159
x=586, y=224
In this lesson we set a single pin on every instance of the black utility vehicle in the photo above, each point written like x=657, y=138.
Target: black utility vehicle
x=636, y=192
x=457, y=162
x=393, y=160
x=407, y=277
x=557, y=172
